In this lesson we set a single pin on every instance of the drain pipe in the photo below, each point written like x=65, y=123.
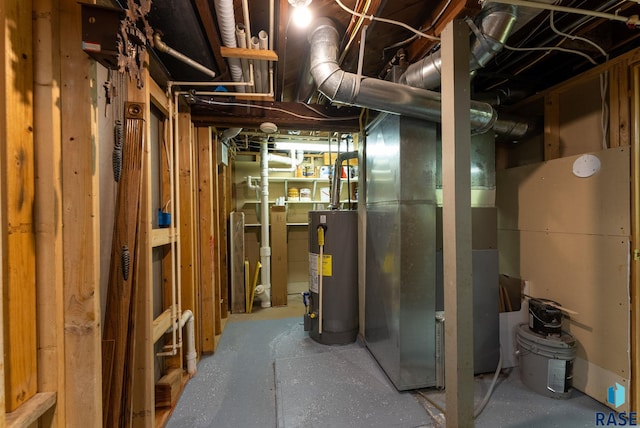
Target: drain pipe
x=335, y=191
x=263, y=291
x=190, y=341
x=294, y=160
x=341, y=86
x=491, y=29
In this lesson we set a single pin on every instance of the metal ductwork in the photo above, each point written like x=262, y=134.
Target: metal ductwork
x=343, y=87
x=490, y=32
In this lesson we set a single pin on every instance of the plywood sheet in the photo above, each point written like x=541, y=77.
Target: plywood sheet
x=580, y=128
x=549, y=197
x=588, y=274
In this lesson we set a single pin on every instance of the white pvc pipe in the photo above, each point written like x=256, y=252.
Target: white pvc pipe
x=263, y=41
x=191, y=354
x=241, y=38
x=265, y=249
x=294, y=161
x=257, y=68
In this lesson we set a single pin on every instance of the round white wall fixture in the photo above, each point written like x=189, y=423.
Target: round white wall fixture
x=586, y=165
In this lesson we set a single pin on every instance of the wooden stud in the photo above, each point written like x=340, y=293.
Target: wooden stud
x=195, y=239
x=48, y=208
x=206, y=220
x=142, y=396
x=614, y=105
x=29, y=413
x=552, y=126
x=81, y=220
x=635, y=239
x=185, y=208
x=18, y=264
x=217, y=275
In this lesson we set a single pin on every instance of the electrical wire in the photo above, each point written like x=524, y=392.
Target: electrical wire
x=299, y=116
x=548, y=50
x=387, y=21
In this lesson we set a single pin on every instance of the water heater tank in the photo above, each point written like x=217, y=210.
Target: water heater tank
x=339, y=283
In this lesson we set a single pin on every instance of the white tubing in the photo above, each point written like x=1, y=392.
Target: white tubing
x=264, y=296
x=263, y=41
x=294, y=161
x=265, y=249
x=257, y=68
x=226, y=23
x=241, y=38
x=191, y=355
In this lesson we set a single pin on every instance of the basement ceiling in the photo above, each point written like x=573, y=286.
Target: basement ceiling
x=192, y=28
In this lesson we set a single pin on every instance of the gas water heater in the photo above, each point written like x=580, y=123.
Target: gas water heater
x=332, y=302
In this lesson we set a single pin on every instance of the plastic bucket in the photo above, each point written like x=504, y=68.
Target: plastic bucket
x=546, y=362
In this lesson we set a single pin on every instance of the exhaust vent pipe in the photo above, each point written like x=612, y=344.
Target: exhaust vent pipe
x=343, y=87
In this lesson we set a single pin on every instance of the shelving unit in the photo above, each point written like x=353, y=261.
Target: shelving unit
x=316, y=202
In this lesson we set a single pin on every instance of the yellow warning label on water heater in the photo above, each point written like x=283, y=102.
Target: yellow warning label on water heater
x=327, y=265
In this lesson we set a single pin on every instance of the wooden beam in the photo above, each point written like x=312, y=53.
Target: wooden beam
x=552, y=126
x=18, y=263
x=286, y=115
x=206, y=221
x=244, y=53
x=81, y=220
x=456, y=10
x=29, y=413
x=619, y=129
x=48, y=207
x=206, y=16
x=456, y=226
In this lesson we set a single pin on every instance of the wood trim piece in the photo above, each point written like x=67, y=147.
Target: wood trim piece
x=32, y=410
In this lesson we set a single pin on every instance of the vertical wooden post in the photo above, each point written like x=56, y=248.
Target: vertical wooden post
x=195, y=238
x=48, y=214
x=185, y=206
x=551, y=126
x=456, y=227
x=216, y=238
x=81, y=219
x=143, y=399
x=17, y=193
x=635, y=239
x=207, y=265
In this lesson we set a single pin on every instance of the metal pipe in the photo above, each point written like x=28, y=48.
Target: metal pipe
x=163, y=47
x=494, y=22
x=335, y=191
x=339, y=85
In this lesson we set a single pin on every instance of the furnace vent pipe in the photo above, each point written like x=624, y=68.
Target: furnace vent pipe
x=226, y=23
x=337, y=167
x=341, y=86
x=493, y=26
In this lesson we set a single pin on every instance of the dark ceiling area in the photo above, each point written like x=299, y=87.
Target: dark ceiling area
x=542, y=49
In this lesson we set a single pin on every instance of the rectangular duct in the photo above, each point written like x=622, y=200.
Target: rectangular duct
x=404, y=251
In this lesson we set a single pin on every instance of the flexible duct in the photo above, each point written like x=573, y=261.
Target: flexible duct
x=226, y=23
x=494, y=24
x=341, y=86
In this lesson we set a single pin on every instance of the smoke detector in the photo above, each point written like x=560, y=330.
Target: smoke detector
x=268, y=128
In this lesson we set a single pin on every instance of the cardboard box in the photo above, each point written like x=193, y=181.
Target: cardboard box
x=279, y=276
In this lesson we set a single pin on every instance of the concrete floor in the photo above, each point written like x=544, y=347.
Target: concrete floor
x=267, y=372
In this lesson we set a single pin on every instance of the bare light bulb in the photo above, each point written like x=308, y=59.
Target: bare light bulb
x=301, y=16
